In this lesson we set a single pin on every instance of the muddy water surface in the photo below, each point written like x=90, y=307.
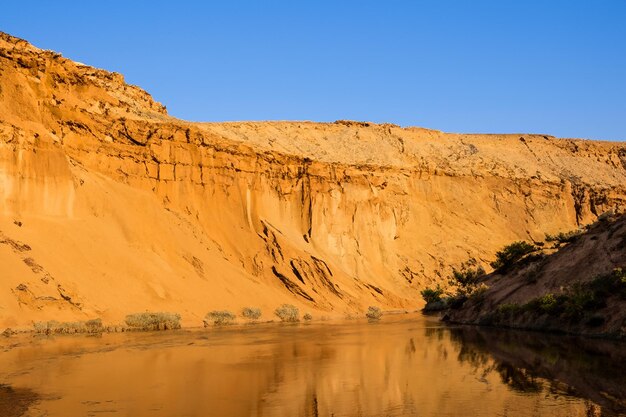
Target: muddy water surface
x=404, y=365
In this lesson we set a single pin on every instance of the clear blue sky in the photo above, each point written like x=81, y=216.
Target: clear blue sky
x=548, y=66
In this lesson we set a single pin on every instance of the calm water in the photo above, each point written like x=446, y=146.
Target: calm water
x=403, y=366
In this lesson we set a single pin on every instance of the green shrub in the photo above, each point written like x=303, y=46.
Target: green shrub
x=288, y=313
x=467, y=280
x=219, y=318
x=373, y=313
x=546, y=304
x=511, y=254
x=251, y=313
x=432, y=295
x=509, y=309
x=456, y=301
x=572, y=305
x=580, y=298
x=579, y=302
x=153, y=321
x=613, y=283
x=502, y=314
x=478, y=293
x=468, y=277
x=562, y=237
x=307, y=317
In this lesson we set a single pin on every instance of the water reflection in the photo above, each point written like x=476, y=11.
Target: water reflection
x=15, y=402
x=401, y=366
x=557, y=365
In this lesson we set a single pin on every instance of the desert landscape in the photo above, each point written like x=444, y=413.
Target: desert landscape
x=289, y=261
x=111, y=207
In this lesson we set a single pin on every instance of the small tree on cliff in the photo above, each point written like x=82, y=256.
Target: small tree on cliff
x=431, y=295
x=511, y=254
x=467, y=278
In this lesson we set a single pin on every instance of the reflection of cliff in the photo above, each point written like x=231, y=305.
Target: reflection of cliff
x=355, y=369
x=126, y=208
x=15, y=402
x=584, y=368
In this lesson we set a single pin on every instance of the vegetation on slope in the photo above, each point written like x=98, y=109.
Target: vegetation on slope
x=577, y=285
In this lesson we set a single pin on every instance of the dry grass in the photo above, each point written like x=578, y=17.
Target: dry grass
x=219, y=318
x=251, y=313
x=55, y=327
x=288, y=313
x=153, y=321
x=373, y=313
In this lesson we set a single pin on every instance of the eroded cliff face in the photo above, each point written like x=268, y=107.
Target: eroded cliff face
x=109, y=206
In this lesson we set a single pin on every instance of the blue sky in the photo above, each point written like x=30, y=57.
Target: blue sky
x=550, y=66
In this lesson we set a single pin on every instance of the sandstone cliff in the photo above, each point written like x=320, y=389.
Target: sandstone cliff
x=109, y=206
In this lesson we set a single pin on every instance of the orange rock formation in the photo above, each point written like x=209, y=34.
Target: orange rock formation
x=109, y=206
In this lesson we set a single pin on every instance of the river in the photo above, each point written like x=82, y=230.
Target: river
x=404, y=365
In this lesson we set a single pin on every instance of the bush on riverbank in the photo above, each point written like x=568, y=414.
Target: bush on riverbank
x=288, y=313
x=153, y=321
x=431, y=295
x=219, y=318
x=55, y=327
x=466, y=282
x=467, y=278
x=580, y=302
x=373, y=313
x=251, y=313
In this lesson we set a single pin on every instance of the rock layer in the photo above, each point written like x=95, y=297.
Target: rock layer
x=109, y=206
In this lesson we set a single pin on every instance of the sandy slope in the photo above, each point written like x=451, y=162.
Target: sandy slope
x=596, y=253
x=123, y=208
